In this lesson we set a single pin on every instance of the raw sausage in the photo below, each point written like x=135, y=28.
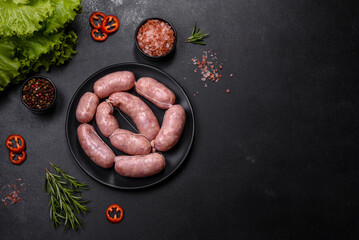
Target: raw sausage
x=138, y=111
x=171, y=129
x=139, y=166
x=130, y=143
x=155, y=92
x=105, y=120
x=114, y=82
x=96, y=149
x=86, y=107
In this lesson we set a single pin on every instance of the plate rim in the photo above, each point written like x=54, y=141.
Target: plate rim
x=104, y=69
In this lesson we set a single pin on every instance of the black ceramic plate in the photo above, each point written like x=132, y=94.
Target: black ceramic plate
x=174, y=157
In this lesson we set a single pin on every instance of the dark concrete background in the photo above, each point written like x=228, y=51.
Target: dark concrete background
x=276, y=158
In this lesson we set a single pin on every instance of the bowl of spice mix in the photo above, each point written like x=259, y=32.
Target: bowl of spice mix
x=155, y=38
x=38, y=94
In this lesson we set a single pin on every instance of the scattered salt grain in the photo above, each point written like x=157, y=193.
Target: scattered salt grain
x=13, y=196
x=208, y=66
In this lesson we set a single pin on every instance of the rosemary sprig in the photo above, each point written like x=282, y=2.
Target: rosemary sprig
x=197, y=36
x=66, y=202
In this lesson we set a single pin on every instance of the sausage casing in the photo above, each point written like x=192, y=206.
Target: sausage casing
x=86, y=107
x=171, y=129
x=140, y=165
x=105, y=120
x=138, y=111
x=155, y=92
x=114, y=82
x=96, y=149
x=130, y=143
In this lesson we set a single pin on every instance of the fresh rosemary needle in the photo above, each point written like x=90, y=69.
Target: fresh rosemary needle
x=197, y=36
x=66, y=202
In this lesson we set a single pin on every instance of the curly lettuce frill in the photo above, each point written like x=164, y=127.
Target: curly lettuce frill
x=38, y=51
x=64, y=13
x=9, y=65
x=33, y=35
x=21, y=19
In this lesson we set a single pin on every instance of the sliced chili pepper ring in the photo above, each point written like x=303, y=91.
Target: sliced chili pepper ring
x=98, y=35
x=110, y=24
x=17, y=158
x=95, y=20
x=116, y=218
x=19, y=145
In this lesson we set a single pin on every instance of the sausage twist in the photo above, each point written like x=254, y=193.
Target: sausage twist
x=151, y=136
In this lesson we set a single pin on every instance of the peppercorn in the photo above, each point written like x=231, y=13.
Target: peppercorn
x=38, y=93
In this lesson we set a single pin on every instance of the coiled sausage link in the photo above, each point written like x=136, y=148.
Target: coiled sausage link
x=86, y=107
x=130, y=143
x=155, y=92
x=171, y=129
x=140, y=165
x=114, y=82
x=105, y=120
x=138, y=111
x=96, y=149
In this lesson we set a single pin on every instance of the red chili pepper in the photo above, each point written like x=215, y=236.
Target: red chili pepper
x=19, y=145
x=115, y=218
x=110, y=24
x=98, y=35
x=95, y=17
x=20, y=158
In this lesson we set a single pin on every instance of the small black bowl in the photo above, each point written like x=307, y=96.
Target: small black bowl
x=44, y=110
x=156, y=57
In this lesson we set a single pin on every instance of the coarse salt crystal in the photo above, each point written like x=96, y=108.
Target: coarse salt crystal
x=155, y=36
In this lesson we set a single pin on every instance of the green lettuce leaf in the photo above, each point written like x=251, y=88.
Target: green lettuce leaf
x=23, y=19
x=18, y=58
x=9, y=65
x=33, y=35
x=21, y=1
x=44, y=51
x=29, y=51
x=60, y=54
x=36, y=45
x=65, y=12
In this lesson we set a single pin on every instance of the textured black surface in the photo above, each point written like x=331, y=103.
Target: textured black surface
x=276, y=158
